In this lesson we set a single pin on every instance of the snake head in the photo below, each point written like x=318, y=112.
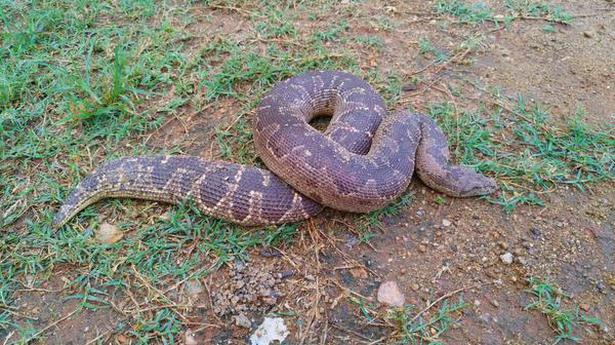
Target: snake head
x=475, y=184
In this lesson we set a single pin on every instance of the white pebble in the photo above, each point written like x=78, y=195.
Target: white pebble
x=507, y=258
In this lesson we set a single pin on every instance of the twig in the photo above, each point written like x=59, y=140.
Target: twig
x=378, y=340
x=98, y=337
x=422, y=69
x=346, y=257
x=14, y=313
x=323, y=339
x=211, y=300
x=356, y=334
x=314, y=310
x=176, y=285
x=160, y=294
x=347, y=267
x=8, y=337
x=445, y=296
x=35, y=335
x=179, y=306
x=345, y=289
x=230, y=8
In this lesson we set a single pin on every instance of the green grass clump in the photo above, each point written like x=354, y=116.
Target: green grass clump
x=414, y=330
x=527, y=152
x=371, y=41
x=548, y=11
x=479, y=12
x=426, y=48
x=547, y=300
x=475, y=13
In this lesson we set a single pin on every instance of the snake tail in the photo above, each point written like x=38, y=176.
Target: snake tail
x=219, y=189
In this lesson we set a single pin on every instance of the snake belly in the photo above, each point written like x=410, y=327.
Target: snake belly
x=362, y=161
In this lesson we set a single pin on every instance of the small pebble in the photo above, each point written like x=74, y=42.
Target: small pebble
x=389, y=293
x=446, y=222
x=242, y=321
x=507, y=258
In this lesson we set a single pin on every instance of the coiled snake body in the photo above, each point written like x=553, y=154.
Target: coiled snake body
x=360, y=163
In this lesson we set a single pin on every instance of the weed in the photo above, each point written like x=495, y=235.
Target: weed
x=333, y=33
x=411, y=328
x=425, y=48
x=382, y=23
x=479, y=12
x=374, y=218
x=550, y=12
x=421, y=330
x=548, y=300
x=276, y=25
x=370, y=41
x=367, y=310
x=475, y=13
x=549, y=28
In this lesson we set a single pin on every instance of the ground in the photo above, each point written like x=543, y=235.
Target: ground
x=522, y=88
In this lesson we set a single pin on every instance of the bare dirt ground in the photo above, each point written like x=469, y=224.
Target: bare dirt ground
x=324, y=283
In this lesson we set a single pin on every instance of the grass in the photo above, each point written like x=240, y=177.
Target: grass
x=527, y=152
x=547, y=299
x=479, y=13
x=411, y=328
x=82, y=82
x=426, y=48
x=416, y=329
x=475, y=13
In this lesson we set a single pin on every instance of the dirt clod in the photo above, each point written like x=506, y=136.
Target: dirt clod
x=248, y=289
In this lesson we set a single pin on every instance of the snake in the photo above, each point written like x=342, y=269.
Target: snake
x=361, y=162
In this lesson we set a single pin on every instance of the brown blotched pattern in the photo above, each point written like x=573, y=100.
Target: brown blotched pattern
x=361, y=162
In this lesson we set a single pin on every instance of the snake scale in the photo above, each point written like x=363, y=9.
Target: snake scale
x=362, y=161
